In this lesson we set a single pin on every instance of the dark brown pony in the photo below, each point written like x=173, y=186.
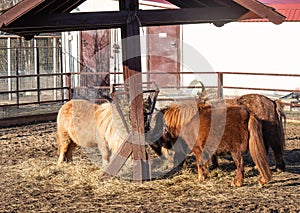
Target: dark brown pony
x=271, y=116
x=213, y=133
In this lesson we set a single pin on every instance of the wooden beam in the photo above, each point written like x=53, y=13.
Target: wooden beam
x=116, y=19
x=118, y=160
x=132, y=72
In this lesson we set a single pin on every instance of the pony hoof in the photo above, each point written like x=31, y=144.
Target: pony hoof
x=280, y=168
x=262, y=183
x=201, y=178
x=236, y=183
x=59, y=163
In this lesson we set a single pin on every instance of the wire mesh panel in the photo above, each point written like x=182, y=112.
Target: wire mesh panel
x=30, y=71
x=120, y=95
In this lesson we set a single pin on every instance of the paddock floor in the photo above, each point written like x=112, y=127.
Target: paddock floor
x=30, y=181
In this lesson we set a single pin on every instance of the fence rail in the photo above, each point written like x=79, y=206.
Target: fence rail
x=66, y=84
x=66, y=88
x=221, y=85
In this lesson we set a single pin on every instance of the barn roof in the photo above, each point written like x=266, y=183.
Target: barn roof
x=280, y=1
x=289, y=8
x=30, y=17
x=290, y=11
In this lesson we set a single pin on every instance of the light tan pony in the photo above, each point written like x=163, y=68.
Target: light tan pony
x=86, y=124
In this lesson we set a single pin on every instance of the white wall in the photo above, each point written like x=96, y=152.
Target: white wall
x=235, y=47
x=249, y=47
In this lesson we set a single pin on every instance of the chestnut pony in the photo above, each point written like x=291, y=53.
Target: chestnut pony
x=86, y=124
x=268, y=111
x=235, y=131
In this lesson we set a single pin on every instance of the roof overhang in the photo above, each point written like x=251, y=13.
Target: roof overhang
x=31, y=17
x=290, y=11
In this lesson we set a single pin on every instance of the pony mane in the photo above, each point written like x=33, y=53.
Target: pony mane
x=176, y=115
x=111, y=126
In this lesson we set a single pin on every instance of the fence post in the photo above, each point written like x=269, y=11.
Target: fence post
x=9, y=68
x=68, y=85
x=220, y=85
x=17, y=78
x=54, y=68
x=38, y=80
x=61, y=74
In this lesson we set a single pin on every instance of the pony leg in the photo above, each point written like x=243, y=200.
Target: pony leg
x=68, y=155
x=105, y=152
x=201, y=173
x=169, y=156
x=214, y=161
x=239, y=162
x=280, y=164
x=63, y=141
x=277, y=151
x=202, y=169
x=278, y=155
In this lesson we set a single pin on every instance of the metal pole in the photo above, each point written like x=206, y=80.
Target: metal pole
x=9, y=67
x=35, y=56
x=38, y=82
x=17, y=74
x=54, y=68
x=61, y=72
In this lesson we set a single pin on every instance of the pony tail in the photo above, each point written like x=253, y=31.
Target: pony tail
x=257, y=149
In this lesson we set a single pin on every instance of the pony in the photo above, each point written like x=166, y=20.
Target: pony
x=271, y=114
x=242, y=132
x=168, y=122
x=232, y=129
x=86, y=124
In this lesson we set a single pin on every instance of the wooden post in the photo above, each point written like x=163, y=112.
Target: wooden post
x=68, y=85
x=220, y=85
x=132, y=68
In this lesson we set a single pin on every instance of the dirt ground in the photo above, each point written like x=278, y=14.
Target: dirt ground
x=30, y=181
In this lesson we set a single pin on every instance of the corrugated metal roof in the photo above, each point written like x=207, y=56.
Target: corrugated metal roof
x=292, y=14
x=280, y=1
x=290, y=11
x=262, y=1
x=255, y=6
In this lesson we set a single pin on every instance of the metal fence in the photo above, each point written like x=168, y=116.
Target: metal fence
x=32, y=80
x=30, y=69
